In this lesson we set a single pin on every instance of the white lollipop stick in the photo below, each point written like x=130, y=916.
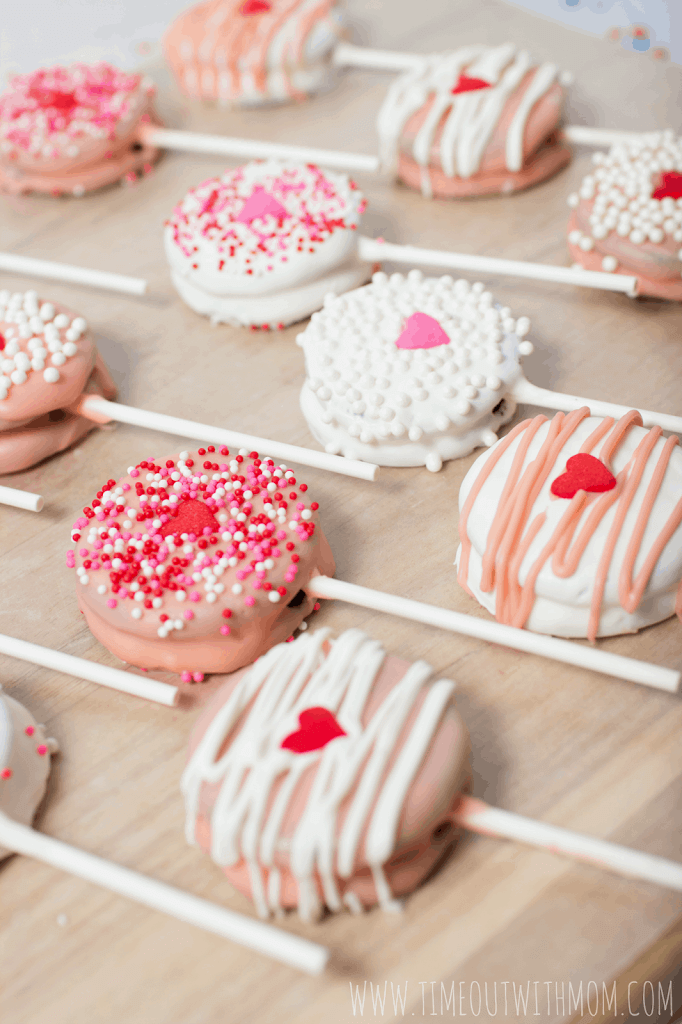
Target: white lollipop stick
x=76, y=275
x=114, y=678
x=99, y=410
x=497, y=633
x=530, y=394
x=347, y=55
x=21, y=499
x=263, y=938
x=491, y=821
x=370, y=249
x=219, y=145
x=607, y=137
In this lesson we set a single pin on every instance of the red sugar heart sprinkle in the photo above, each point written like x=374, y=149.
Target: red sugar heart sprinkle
x=583, y=473
x=317, y=728
x=53, y=98
x=250, y=7
x=193, y=516
x=466, y=84
x=671, y=185
x=422, y=331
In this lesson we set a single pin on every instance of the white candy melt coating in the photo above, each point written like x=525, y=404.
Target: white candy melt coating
x=227, y=266
x=470, y=117
x=23, y=771
x=368, y=399
x=281, y=684
x=562, y=605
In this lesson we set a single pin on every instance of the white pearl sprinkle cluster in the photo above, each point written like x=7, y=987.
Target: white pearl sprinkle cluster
x=620, y=189
x=380, y=391
x=35, y=339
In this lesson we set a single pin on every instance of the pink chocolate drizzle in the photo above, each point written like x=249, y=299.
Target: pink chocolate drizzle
x=511, y=533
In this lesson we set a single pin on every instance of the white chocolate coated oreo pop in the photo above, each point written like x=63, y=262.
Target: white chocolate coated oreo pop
x=70, y=130
x=250, y=52
x=324, y=775
x=262, y=245
x=48, y=359
x=480, y=120
x=574, y=526
x=627, y=214
x=411, y=371
x=198, y=562
x=24, y=762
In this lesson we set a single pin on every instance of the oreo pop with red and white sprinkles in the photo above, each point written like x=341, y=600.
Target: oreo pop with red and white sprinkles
x=627, y=214
x=70, y=130
x=262, y=245
x=198, y=562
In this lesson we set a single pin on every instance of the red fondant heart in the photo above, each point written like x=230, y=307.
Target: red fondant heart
x=583, y=473
x=193, y=516
x=317, y=728
x=671, y=185
x=254, y=7
x=466, y=84
x=261, y=204
x=422, y=331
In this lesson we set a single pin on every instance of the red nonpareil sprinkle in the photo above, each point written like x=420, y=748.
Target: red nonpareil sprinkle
x=29, y=730
x=6, y=773
x=41, y=749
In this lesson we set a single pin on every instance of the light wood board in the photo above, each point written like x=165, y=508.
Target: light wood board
x=549, y=741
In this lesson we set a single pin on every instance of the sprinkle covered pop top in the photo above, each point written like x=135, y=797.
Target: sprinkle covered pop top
x=260, y=220
x=52, y=112
x=194, y=544
x=634, y=193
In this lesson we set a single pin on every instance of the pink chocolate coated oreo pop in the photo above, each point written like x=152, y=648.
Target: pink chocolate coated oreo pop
x=253, y=51
x=477, y=121
x=627, y=215
x=70, y=130
x=48, y=360
x=197, y=563
x=324, y=775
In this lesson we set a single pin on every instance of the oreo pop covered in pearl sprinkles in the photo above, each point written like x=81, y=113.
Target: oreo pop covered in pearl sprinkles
x=411, y=371
x=262, y=245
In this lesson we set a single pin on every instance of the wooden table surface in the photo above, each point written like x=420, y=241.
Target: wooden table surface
x=571, y=747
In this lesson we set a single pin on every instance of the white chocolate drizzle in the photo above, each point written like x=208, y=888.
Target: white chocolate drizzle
x=264, y=707
x=470, y=117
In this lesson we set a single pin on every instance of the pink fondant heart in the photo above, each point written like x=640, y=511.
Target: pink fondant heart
x=583, y=473
x=422, y=331
x=466, y=84
x=317, y=728
x=261, y=204
x=671, y=185
x=193, y=516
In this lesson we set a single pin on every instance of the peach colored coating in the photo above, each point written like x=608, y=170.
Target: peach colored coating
x=216, y=35
x=656, y=266
x=511, y=533
x=543, y=154
x=424, y=825
x=26, y=445
x=200, y=647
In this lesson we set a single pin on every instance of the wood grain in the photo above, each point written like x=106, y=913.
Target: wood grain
x=549, y=741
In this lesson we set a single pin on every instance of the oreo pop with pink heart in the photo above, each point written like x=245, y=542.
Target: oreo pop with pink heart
x=70, y=130
x=627, y=214
x=198, y=562
x=411, y=371
x=574, y=526
x=48, y=359
x=262, y=245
